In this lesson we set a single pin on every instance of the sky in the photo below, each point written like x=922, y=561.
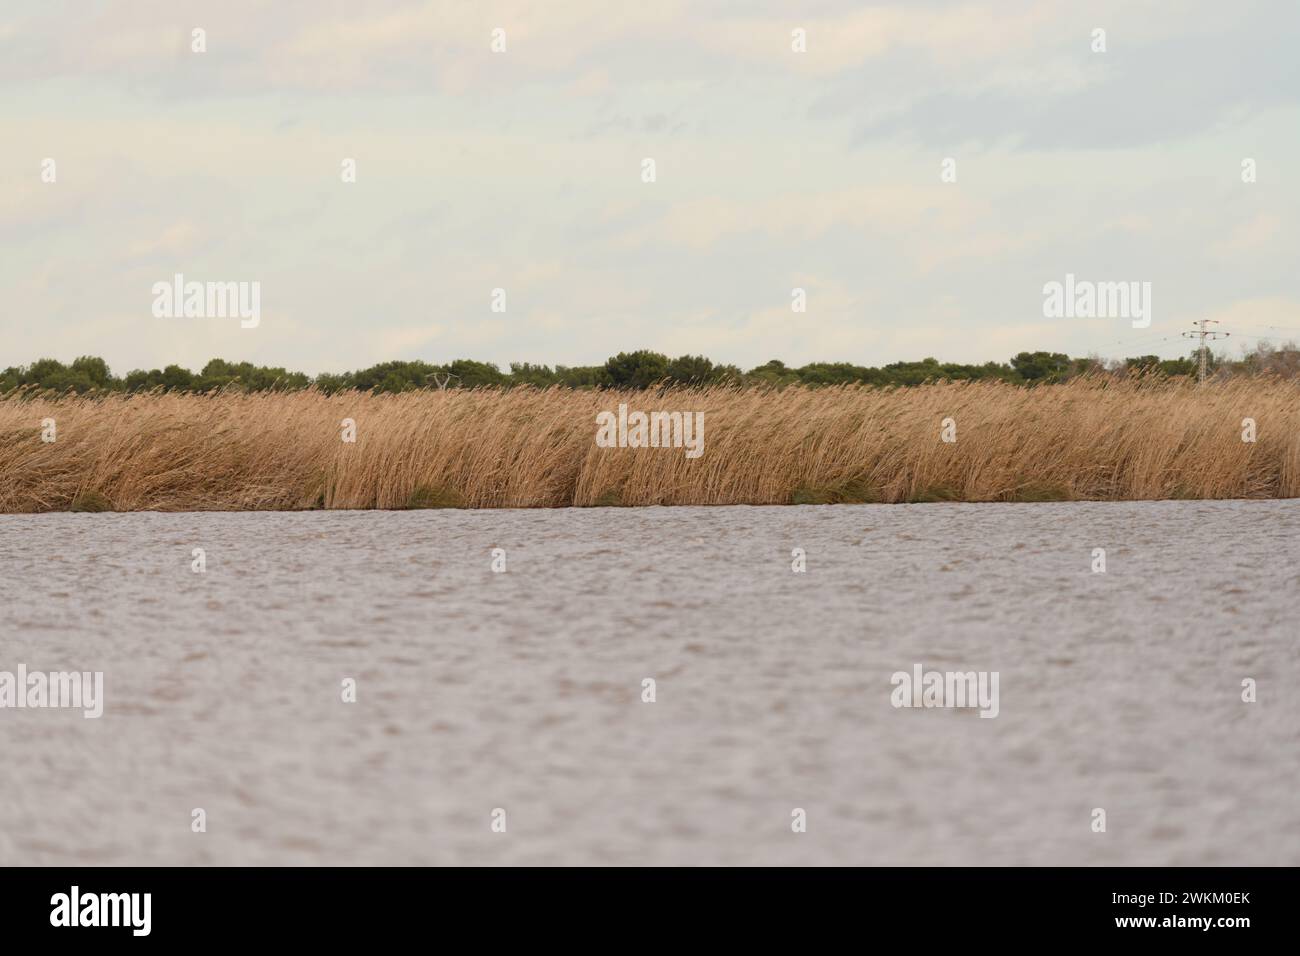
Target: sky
x=523, y=170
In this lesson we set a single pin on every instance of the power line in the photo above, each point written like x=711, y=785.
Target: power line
x=1281, y=328
x=1140, y=338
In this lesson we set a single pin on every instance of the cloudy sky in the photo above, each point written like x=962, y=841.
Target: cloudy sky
x=522, y=170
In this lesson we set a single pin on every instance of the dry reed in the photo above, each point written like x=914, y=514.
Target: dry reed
x=1089, y=439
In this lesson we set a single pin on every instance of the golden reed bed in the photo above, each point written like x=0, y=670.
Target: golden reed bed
x=1091, y=439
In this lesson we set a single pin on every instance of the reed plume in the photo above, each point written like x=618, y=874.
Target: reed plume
x=1087, y=439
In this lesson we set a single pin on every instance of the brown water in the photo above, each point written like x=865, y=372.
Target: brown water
x=522, y=690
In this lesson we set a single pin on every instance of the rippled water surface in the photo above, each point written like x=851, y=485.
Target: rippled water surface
x=522, y=690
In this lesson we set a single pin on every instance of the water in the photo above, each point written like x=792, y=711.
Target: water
x=478, y=690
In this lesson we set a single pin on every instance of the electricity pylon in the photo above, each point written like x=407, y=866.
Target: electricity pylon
x=1203, y=334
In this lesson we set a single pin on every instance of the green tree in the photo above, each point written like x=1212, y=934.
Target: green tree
x=94, y=369
x=773, y=372
x=583, y=376
x=639, y=369
x=1042, y=366
x=175, y=377
x=1178, y=366
x=831, y=373
x=525, y=373
x=329, y=382
x=471, y=374
x=690, y=370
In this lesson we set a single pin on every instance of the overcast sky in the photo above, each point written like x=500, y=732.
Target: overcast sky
x=522, y=170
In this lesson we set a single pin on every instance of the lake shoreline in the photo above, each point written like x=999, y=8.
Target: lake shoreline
x=674, y=506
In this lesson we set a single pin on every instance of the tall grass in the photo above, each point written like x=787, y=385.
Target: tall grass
x=1087, y=439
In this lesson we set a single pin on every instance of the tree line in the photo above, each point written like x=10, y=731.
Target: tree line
x=639, y=369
